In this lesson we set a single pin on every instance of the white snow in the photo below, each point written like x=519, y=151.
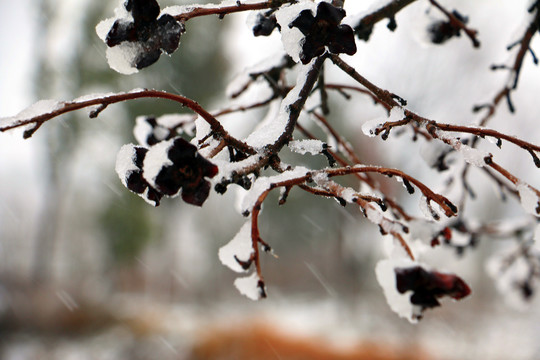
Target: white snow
x=122, y=57
x=368, y=8
x=91, y=97
x=179, y=122
x=249, y=286
x=125, y=162
x=471, y=155
x=177, y=10
x=386, y=277
x=397, y=113
x=202, y=129
x=292, y=37
x=263, y=183
x=529, y=198
x=401, y=180
x=302, y=147
x=459, y=238
x=426, y=208
x=430, y=209
x=156, y=158
x=349, y=195
x=142, y=130
x=227, y=168
x=320, y=178
x=103, y=28
x=373, y=215
x=240, y=247
x=272, y=130
x=44, y=107
x=370, y=127
x=41, y=107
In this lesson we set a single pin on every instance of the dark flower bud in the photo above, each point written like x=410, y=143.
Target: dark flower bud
x=264, y=24
x=324, y=30
x=146, y=59
x=129, y=164
x=121, y=31
x=169, y=30
x=143, y=11
x=153, y=35
x=175, y=165
x=428, y=286
x=392, y=25
x=363, y=32
x=441, y=31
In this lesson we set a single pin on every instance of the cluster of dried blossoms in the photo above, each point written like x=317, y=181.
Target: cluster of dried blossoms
x=313, y=34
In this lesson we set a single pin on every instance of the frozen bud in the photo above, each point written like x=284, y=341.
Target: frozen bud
x=121, y=30
x=363, y=31
x=324, y=30
x=169, y=31
x=441, y=31
x=150, y=34
x=143, y=11
x=428, y=286
x=264, y=24
x=129, y=162
x=176, y=165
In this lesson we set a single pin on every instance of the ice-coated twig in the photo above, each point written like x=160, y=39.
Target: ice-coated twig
x=440, y=131
x=184, y=13
x=105, y=100
x=342, y=87
x=447, y=206
x=515, y=71
x=363, y=177
x=364, y=26
x=385, y=96
x=339, y=192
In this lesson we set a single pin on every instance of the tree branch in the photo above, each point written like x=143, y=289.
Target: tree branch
x=105, y=100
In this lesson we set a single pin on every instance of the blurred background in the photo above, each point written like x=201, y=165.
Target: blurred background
x=88, y=270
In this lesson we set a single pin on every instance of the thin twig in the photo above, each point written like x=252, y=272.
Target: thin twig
x=107, y=100
x=195, y=11
x=458, y=23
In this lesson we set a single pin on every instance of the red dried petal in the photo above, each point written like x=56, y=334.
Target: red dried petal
x=427, y=286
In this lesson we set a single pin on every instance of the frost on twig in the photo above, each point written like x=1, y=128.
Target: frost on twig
x=265, y=183
x=530, y=200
